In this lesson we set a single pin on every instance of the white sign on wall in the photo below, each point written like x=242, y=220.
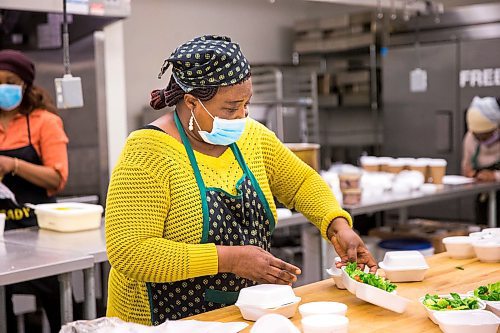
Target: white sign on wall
x=486, y=77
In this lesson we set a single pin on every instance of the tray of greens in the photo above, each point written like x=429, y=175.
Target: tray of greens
x=368, y=278
x=373, y=289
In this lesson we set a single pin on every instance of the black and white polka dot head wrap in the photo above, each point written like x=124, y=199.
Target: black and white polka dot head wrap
x=207, y=61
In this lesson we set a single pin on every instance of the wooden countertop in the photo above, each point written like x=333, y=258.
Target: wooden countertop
x=442, y=277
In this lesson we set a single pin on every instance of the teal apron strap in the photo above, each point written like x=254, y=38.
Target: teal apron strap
x=474, y=162
x=239, y=157
x=197, y=174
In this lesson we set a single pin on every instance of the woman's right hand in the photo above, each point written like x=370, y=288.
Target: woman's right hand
x=254, y=263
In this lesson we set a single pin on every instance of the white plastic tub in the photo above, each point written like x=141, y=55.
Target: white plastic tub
x=68, y=217
x=325, y=324
x=404, y=266
x=487, y=250
x=459, y=247
x=464, y=313
x=274, y=323
x=316, y=308
x=476, y=321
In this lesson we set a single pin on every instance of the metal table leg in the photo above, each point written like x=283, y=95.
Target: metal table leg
x=403, y=215
x=3, y=310
x=492, y=209
x=311, y=267
x=89, y=286
x=66, y=298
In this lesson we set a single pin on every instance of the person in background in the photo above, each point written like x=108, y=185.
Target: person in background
x=33, y=164
x=190, y=210
x=481, y=148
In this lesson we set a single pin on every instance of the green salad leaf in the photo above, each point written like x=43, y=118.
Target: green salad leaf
x=452, y=302
x=371, y=279
x=490, y=292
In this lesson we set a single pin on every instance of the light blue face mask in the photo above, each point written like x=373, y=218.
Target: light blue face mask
x=11, y=96
x=224, y=131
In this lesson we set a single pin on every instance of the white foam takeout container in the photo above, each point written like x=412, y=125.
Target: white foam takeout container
x=336, y=274
x=68, y=217
x=317, y=308
x=492, y=306
x=431, y=313
x=459, y=247
x=487, y=250
x=259, y=300
x=325, y=324
x=404, y=266
x=390, y=301
x=477, y=321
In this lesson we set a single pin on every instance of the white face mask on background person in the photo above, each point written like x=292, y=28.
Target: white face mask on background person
x=224, y=131
x=11, y=96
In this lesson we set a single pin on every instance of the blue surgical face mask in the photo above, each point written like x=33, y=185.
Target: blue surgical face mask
x=224, y=131
x=11, y=96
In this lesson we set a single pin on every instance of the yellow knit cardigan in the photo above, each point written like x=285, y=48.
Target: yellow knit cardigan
x=154, y=212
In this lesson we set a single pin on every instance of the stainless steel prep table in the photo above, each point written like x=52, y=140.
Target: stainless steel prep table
x=90, y=242
x=315, y=259
x=19, y=263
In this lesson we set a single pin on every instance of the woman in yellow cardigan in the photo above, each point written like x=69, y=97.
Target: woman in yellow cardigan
x=190, y=208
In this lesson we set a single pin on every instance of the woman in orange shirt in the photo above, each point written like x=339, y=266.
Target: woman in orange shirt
x=33, y=163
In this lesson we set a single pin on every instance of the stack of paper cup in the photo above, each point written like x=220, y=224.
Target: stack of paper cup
x=350, y=185
x=421, y=166
x=370, y=163
x=396, y=166
x=437, y=170
x=407, y=161
x=384, y=163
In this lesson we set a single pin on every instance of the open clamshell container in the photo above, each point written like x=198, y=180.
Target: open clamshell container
x=256, y=301
x=387, y=300
x=431, y=313
x=336, y=274
x=404, y=266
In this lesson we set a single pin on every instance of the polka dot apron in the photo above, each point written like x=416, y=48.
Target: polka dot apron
x=234, y=220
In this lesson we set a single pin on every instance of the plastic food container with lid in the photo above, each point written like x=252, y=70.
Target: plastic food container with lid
x=459, y=247
x=404, y=266
x=68, y=217
x=487, y=250
x=259, y=300
x=316, y=308
x=325, y=324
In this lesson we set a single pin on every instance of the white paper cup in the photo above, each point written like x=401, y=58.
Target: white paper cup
x=2, y=224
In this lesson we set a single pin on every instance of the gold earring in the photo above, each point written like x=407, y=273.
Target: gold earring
x=191, y=123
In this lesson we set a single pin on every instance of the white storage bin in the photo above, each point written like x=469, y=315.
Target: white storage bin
x=68, y=217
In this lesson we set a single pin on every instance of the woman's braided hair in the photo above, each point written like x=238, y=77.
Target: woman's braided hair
x=173, y=94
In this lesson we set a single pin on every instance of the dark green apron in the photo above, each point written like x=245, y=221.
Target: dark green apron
x=233, y=220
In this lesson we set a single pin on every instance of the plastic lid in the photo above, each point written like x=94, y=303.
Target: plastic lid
x=437, y=162
x=397, y=163
x=266, y=295
x=405, y=244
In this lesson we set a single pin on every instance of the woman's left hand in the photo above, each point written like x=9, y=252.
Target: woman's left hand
x=6, y=165
x=486, y=176
x=349, y=246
